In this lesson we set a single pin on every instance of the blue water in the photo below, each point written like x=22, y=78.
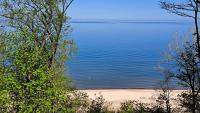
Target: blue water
x=121, y=55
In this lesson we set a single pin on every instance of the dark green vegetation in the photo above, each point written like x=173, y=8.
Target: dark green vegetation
x=33, y=53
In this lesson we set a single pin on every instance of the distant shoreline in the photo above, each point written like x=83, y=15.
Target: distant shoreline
x=128, y=21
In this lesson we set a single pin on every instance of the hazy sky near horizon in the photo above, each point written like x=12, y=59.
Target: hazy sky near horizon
x=120, y=9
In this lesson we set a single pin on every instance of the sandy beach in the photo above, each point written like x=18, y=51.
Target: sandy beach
x=117, y=96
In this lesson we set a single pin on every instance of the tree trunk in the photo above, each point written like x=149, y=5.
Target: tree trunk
x=197, y=29
x=168, y=106
x=193, y=102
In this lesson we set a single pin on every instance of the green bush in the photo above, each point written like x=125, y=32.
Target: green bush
x=138, y=107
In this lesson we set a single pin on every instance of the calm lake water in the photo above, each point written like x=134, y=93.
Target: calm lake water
x=121, y=55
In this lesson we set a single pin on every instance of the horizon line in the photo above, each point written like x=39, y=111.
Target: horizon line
x=130, y=19
x=127, y=21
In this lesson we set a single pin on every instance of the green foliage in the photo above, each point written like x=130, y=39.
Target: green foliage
x=79, y=102
x=32, y=57
x=27, y=83
x=127, y=107
x=45, y=19
x=138, y=107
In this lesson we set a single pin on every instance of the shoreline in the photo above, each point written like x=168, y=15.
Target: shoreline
x=126, y=89
x=156, y=88
x=114, y=97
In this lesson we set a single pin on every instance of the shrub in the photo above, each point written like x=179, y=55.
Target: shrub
x=138, y=107
x=98, y=106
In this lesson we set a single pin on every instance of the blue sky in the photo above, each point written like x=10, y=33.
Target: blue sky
x=120, y=9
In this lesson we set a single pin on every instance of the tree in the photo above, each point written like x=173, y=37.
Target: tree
x=186, y=101
x=27, y=84
x=33, y=55
x=46, y=19
x=189, y=8
x=187, y=71
x=4, y=99
x=166, y=89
